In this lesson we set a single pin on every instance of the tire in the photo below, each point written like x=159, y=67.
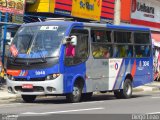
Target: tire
x=29, y=98
x=76, y=94
x=117, y=94
x=126, y=92
x=87, y=96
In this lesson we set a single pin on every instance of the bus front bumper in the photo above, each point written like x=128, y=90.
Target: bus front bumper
x=36, y=87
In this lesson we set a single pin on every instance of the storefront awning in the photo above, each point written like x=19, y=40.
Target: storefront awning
x=156, y=39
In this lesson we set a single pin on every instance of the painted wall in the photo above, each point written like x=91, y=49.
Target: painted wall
x=126, y=10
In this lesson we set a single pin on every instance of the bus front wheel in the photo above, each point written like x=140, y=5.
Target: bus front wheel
x=126, y=92
x=28, y=98
x=76, y=94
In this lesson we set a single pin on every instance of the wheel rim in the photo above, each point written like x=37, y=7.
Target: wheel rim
x=76, y=92
x=128, y=89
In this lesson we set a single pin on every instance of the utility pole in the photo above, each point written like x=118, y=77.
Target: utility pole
x=117, y=12
x=4, y=36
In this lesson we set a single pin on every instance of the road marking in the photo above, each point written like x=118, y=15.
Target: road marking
x=66, y=111
x=89, y=102
x=154, y=113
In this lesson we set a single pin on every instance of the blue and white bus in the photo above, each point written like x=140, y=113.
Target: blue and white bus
x=75, y=59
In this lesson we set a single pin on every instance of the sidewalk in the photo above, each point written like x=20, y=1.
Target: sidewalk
x=5, y=96
x=154, y=86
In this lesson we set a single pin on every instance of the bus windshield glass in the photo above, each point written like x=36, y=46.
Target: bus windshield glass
x=37, y=41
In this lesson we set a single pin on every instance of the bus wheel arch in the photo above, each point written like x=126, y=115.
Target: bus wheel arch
x=75, y=95
x=130, y=77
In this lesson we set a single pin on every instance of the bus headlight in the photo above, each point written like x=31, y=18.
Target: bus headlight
x=52, y=76
x=10, y=77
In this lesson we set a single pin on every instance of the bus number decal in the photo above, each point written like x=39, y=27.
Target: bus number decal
x=145, y=63
x=53, y=28
x=40, y=72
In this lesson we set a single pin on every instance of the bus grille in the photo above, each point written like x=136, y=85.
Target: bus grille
x=31, y=79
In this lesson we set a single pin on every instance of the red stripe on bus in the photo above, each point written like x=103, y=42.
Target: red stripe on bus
x=133, y=71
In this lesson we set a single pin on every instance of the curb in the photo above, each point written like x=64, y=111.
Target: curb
x=146, y=89
x=138, y=89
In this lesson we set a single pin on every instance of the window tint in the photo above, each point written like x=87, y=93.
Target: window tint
x=101, y=51
x=122, y=37
x=142, y=38
x=142, y=50
x=101, y=36
x=123, y=51
x=101, y=44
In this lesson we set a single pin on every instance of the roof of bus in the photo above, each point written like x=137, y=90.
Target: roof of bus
x=123, y=27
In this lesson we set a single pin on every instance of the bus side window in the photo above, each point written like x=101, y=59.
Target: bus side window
x=146, y=51
x=122, y=51
x=79, y=53
x=116, y=52
x=138, y=51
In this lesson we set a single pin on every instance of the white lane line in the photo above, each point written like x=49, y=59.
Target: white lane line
x=66, y=111
x=89, y=102
x=154, y=113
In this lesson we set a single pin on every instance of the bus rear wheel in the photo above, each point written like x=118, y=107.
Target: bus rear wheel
x=28, y=98
x=126, y=92
x=76, y=94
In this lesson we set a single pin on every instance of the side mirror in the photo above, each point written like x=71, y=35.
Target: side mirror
x=72, y=40
x=65, y=40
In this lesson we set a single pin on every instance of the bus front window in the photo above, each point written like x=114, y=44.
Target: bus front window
x=39, y=41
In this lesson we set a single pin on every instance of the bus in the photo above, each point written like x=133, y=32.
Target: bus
x=75, y=59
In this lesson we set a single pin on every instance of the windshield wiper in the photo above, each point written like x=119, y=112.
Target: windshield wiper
x=43, y=58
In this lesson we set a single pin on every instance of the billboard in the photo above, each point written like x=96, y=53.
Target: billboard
x=12, y=6
x=41, y=6
x=145, y=12
x=89, y=9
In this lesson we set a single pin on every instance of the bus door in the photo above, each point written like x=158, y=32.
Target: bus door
x=97, y=65
x=75, y=57
x=144, y=60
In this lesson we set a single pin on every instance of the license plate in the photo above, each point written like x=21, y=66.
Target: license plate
x=27, y=86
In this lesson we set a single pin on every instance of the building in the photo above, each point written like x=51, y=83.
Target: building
x=143, y=13
x=86, y=10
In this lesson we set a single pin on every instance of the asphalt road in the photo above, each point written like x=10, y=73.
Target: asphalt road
x=140, y=103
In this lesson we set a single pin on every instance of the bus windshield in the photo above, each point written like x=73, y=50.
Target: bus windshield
x=38, y=41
